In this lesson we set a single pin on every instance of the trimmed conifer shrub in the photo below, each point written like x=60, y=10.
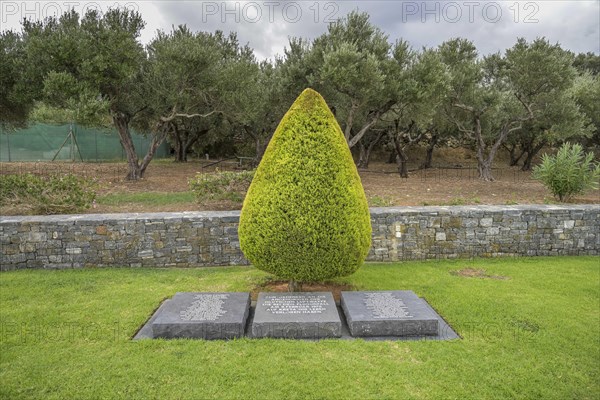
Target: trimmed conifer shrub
x=305, y=217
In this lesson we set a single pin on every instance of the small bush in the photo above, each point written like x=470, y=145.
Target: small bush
x=569, y=172
x=380, y=201
x=224, y=185
x=60, y=194
x=306, y=216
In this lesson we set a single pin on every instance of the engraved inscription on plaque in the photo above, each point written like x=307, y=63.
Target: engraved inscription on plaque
x=314, y=304
x=205, y=307
x=386, y=305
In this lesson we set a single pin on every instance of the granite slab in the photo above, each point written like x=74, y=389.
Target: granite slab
x=388, y=313
x=202, y=316
x=300, y=315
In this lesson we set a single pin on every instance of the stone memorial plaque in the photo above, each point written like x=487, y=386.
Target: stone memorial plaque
x=388, y=313
x=203, y=316
x=301, y=315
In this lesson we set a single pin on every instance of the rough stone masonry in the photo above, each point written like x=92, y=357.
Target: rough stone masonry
x=189, y=239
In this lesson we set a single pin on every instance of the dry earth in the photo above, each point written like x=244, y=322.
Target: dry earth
x=454, y=184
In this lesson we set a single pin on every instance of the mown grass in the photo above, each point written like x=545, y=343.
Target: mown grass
x=146, y=198
x=66, y=334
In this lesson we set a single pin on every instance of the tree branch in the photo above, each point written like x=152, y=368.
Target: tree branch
x=362, y=132
x=182, y=115
x=464, y=107
x=468, y=132
x=527, y=107
x=516, y=128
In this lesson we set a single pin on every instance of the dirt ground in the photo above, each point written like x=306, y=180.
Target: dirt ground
x=282, y=286
x=452, y=184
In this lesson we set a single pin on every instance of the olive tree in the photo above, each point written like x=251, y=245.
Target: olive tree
x=17, y=96
x=495, y=96
x=93, y=58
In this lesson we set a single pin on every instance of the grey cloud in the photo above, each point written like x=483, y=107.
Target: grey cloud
x=573, y=24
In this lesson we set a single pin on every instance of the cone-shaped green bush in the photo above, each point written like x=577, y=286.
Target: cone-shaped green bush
x=305, y=217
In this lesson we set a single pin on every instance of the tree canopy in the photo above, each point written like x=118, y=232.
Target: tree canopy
x=197, y=89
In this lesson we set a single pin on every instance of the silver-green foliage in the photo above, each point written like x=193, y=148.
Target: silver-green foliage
x=569, y=172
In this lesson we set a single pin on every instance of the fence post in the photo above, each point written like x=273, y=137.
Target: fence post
x=8, y=145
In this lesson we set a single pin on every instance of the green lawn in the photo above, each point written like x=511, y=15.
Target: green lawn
x=66, y=334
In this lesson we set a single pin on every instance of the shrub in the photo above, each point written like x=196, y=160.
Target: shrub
x=305, y=217
x=380, y=201
x=224, y=185
x=59, y=194
x=569, y=172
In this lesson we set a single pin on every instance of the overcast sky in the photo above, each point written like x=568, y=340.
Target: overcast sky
x=266, y=25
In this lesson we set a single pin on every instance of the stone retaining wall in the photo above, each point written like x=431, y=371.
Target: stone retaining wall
x=210, y=238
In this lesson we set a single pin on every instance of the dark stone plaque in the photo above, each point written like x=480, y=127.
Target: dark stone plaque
x=203, y=316
x=303, y=315
x=388, y=313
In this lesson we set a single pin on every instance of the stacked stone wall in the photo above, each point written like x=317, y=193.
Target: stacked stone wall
x=210, y=238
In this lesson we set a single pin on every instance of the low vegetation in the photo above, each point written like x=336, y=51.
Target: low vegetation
x=569, y=172
x=380, y=201
x=67, y=334
x=221, y=185
x=58, y=194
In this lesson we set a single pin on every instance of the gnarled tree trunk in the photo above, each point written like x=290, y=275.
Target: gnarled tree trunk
x=401, y=138
x=157, y=139
x=261, y=141
x=261, y=147
x=121, y=122
x=136, y=169
x=484, y=163
x=402, y=161
x=392, y=156
x=362, y=150
x=429, y=153
x=184, y=140
x=531, y=153
x=484, y=169
x=365, y=151
x=512, y=152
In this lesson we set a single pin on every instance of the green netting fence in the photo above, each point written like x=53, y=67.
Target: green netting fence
x=43, y=142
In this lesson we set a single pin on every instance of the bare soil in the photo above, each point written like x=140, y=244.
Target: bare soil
x=477, y=273
x=456, y=183
x=282, y=286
